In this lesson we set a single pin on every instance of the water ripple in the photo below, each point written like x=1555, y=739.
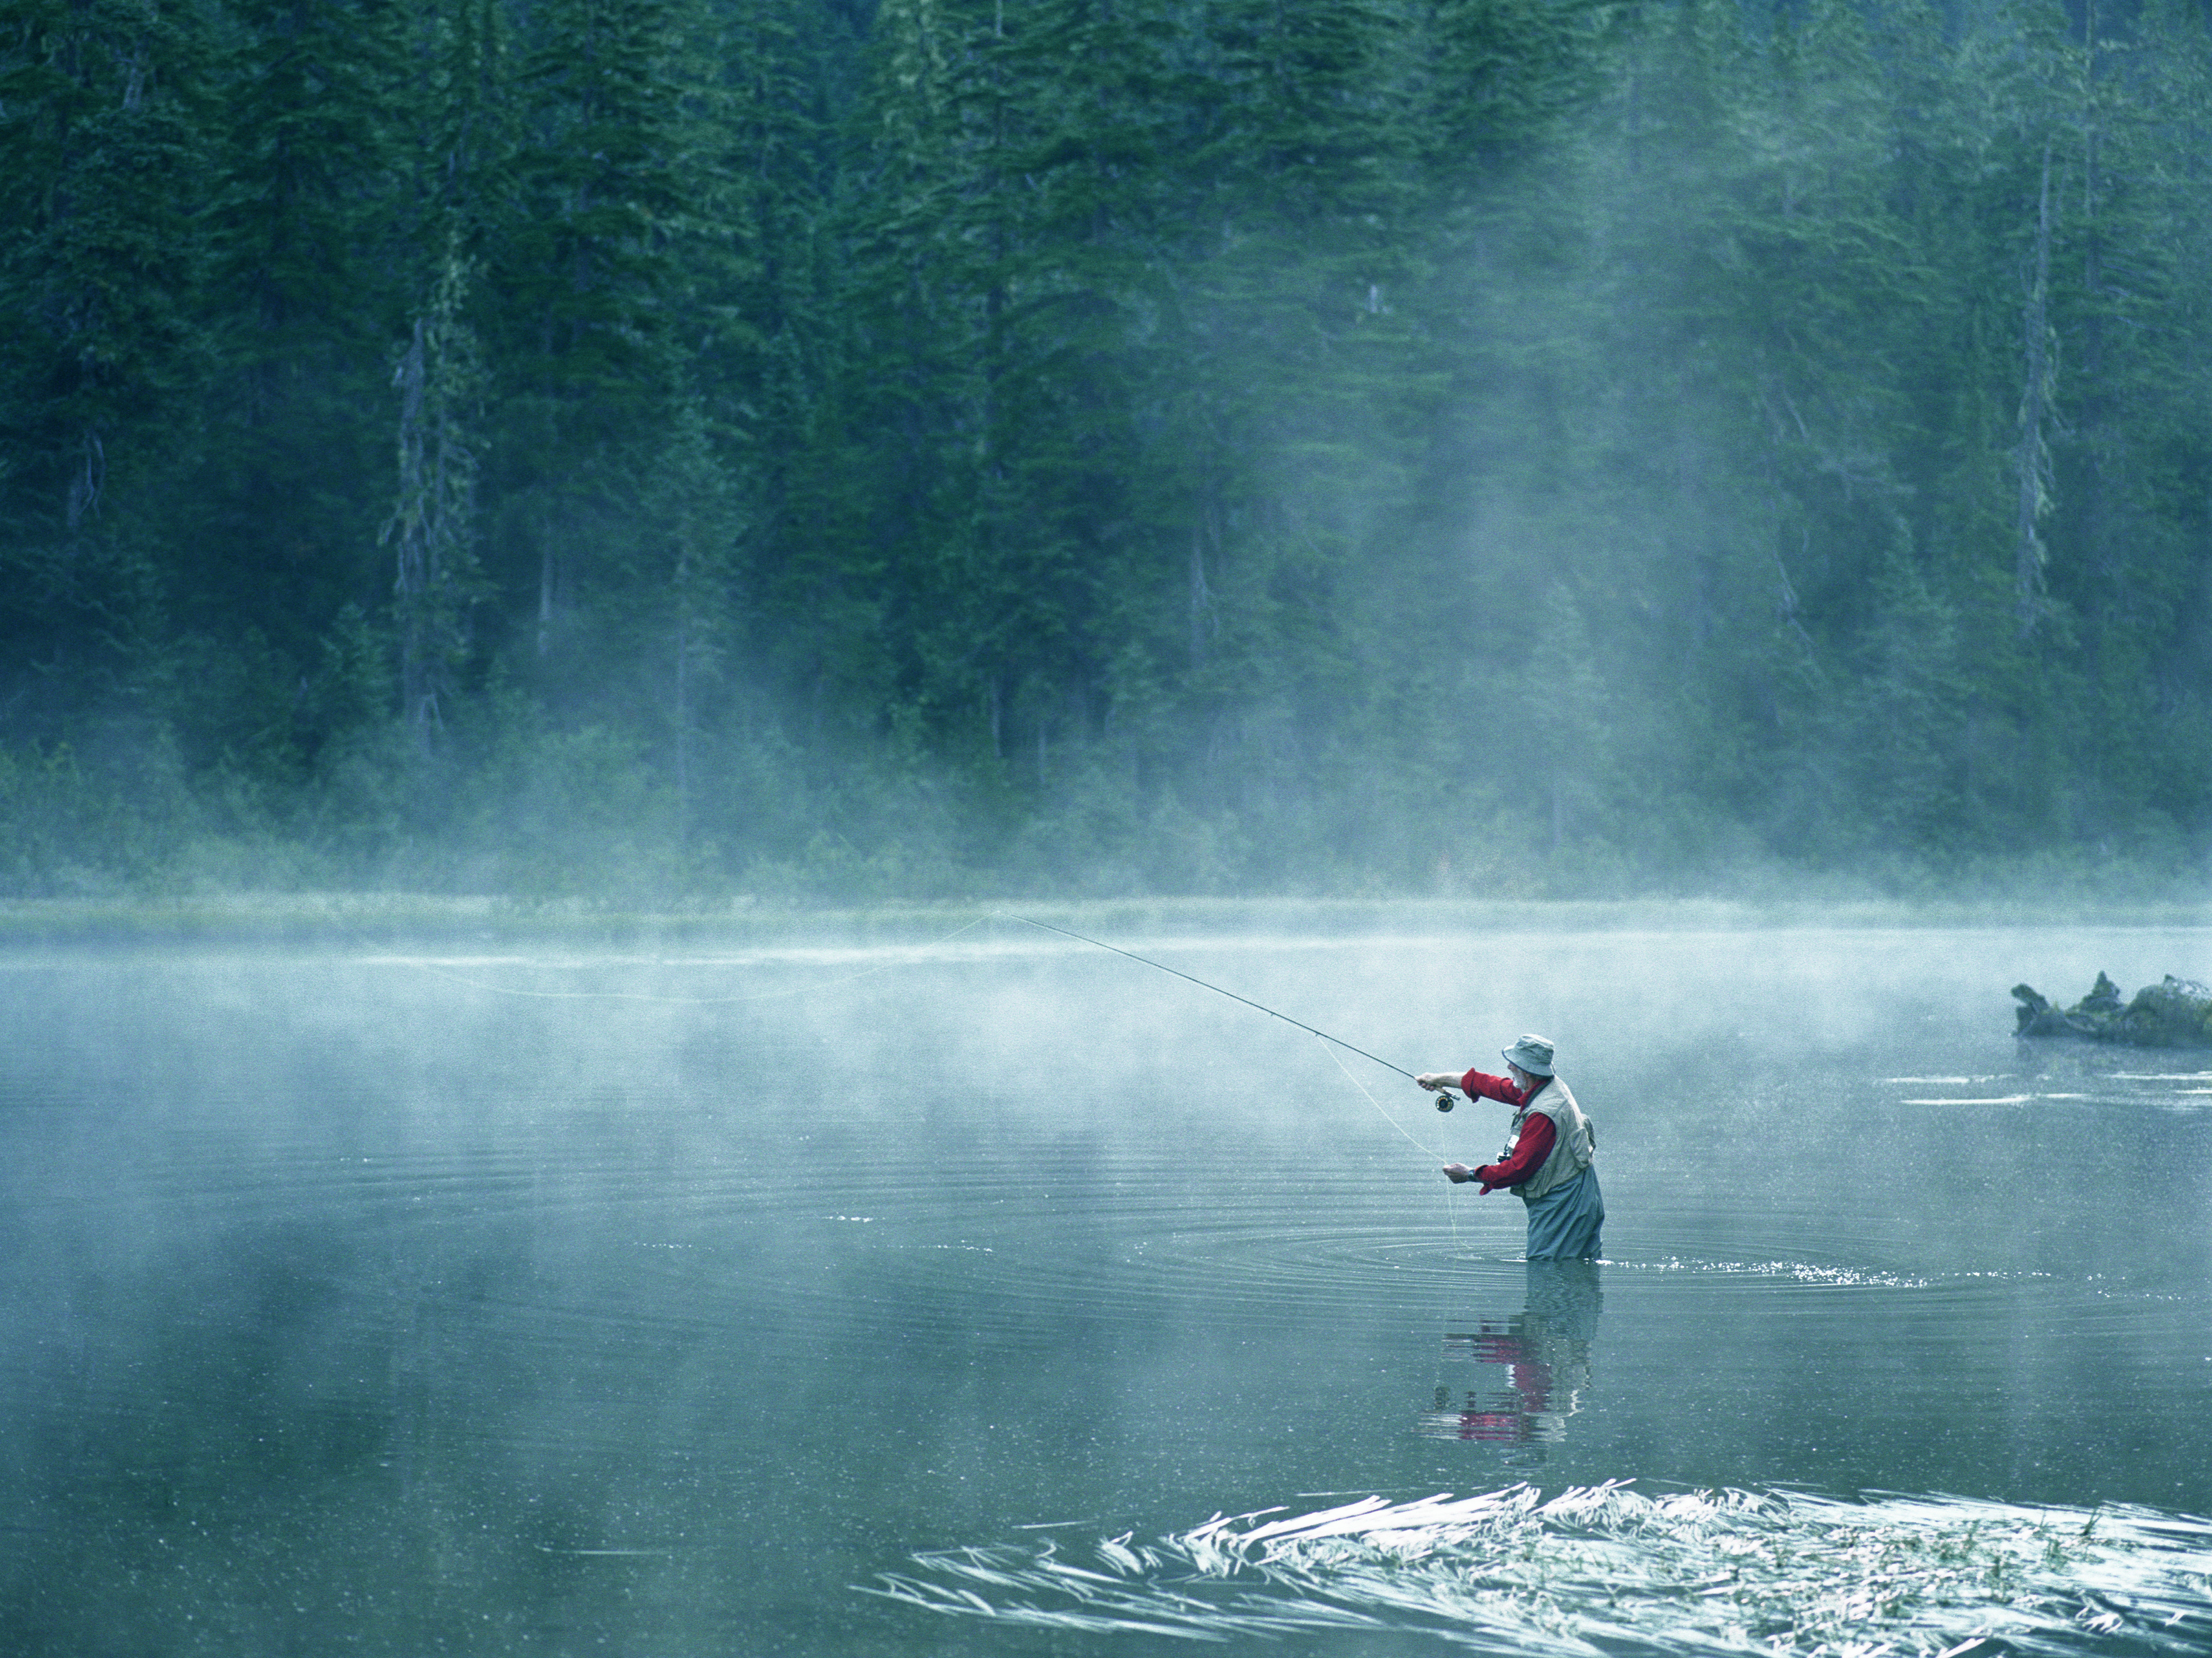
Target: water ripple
x=1800, y=1271
x=1785, y=1574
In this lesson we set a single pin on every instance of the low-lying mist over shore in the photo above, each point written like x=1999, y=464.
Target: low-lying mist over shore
x=358, y=921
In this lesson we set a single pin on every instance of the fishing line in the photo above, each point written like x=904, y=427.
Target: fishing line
x=1379, y=1106
x=1451, y=1212
x=1331, y=1043
x=1065, y=933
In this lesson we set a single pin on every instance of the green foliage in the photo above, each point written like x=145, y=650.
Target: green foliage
x=74, y=827
x=1405, y=444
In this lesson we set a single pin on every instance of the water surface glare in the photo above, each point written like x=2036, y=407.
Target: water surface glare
x=930, y=1299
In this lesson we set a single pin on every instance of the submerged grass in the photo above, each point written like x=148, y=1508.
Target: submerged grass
x=1603, y=1570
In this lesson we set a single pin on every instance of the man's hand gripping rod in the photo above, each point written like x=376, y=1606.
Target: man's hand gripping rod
x=1441, y=1083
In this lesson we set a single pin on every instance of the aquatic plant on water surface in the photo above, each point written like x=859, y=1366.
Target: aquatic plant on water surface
x=1598, y=1569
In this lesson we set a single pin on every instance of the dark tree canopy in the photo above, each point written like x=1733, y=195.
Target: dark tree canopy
x=652, y=448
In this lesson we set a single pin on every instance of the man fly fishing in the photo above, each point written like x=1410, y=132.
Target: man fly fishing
x=1548, y=1164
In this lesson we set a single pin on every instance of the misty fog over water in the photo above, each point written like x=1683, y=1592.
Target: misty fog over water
x=962, y=1296
x=525, y=466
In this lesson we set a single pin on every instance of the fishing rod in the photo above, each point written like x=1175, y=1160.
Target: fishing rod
x=1444, y=1103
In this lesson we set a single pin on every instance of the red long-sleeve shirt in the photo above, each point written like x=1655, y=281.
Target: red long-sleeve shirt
x=1537, y=1134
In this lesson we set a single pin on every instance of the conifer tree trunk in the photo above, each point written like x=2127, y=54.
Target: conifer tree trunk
x=2033, y=457
x=548, y=585
x=429, y=525
x=685, y=644
x=411, y=585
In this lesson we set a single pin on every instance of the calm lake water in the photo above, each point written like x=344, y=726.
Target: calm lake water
x=1008, y=1296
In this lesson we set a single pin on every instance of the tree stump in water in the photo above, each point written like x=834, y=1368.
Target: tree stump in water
x=2177, y=1013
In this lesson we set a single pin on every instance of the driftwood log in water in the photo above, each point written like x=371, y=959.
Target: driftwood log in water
x=2175, y=1014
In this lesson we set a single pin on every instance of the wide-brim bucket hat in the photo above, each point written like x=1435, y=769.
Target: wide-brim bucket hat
x=1532, y=1055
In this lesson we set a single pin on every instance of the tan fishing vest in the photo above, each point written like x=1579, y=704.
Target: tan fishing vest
x=1574, y=1142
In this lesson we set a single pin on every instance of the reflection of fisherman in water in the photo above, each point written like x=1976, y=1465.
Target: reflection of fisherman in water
x=1550, y=1164
x=1546, y=1350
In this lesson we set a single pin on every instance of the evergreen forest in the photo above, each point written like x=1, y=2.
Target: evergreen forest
x=659, y=451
